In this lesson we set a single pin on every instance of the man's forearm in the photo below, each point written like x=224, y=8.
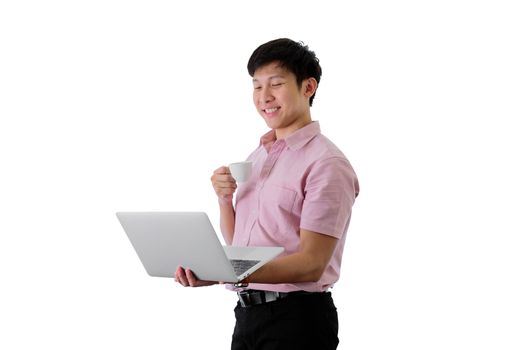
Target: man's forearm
x=306, y=265
x=295, y=268
x=227, y=221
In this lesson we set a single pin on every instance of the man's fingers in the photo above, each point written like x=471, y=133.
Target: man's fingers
x=180, y=276
x=225, y=188
x=177, y=274
x=222, y=170
x=225, y=179
x=195, y=282
x=224, y=184
x=191, y=279
x=187, y=278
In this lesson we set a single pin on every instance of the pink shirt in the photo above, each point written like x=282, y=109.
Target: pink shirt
x=302, y=181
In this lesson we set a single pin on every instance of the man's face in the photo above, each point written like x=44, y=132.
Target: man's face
x=279, y=100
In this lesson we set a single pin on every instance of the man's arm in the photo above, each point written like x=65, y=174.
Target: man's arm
x=307, y=265
x=227, y=221
x=225, y=185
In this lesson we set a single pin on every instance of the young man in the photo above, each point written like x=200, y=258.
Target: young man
x=299, y=197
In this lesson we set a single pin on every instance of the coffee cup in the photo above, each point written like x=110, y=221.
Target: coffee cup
x=241, y=171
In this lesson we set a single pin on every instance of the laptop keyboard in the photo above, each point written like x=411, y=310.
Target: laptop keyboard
x=241, y=266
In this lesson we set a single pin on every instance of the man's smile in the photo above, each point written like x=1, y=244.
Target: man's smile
x=270, y=111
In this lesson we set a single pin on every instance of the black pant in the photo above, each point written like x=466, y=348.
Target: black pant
x=301, y=321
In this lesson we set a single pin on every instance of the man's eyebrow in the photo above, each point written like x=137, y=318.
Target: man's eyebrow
x=271, y=77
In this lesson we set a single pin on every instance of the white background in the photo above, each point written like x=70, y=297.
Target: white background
x=130, y=105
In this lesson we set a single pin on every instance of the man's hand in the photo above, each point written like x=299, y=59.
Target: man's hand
x=224, y=184
x=186, y=278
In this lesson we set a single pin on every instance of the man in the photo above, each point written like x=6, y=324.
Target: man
x=299, y=197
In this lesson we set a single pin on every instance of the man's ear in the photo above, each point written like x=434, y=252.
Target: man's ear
x=310, y=86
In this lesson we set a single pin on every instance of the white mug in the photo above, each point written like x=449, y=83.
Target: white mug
x=241, y=171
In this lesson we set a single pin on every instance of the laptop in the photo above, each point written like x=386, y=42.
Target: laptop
x=166, y=240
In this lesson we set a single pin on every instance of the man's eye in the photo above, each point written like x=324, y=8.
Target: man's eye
x=276, y=84
x=257, y=87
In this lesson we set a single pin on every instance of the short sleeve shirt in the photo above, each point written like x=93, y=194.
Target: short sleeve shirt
x=301, y=182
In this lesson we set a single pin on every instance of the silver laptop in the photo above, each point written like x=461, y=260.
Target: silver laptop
x=166, y=240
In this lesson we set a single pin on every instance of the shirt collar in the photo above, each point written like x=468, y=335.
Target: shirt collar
x=296, y=140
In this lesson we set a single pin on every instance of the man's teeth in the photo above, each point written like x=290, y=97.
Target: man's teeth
x=271, y=110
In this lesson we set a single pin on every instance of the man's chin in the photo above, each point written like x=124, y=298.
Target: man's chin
x=272, y=123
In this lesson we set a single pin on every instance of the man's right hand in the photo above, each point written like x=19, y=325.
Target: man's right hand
x=187, y=278
x=224, y=185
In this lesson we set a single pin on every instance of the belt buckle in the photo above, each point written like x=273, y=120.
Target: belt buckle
x=249, y=298
x=271, y=296
x=244, y=298
x=252, y=297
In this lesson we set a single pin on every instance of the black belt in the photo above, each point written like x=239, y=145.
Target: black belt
x=252, y=297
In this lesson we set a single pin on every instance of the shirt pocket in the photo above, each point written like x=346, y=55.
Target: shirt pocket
x=276, y=211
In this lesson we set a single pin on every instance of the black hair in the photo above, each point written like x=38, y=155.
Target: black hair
x=294, y=56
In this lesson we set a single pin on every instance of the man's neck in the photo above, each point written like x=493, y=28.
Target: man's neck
x=288, y=130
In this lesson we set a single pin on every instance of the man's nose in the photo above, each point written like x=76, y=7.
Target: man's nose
x=266, y=95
